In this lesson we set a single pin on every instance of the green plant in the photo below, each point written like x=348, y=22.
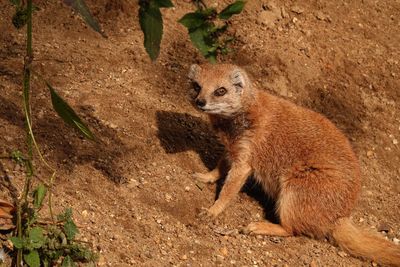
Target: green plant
x=38, y=242
x=207, y=28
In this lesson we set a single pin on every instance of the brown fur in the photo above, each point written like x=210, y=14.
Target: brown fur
x=298, y=156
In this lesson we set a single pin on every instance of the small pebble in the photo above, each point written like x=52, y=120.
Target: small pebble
x=187, y=188
x=395, y=141
x=224, y=251
x=297, y=9
x=383, y=227
x=168, y=197
x=342, y=254
x=396, y=241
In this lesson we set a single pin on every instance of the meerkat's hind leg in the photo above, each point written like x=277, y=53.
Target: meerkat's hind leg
x=266, y=228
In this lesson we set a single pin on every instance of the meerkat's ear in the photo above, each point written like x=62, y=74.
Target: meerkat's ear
x=238, y=79
x=193, y=71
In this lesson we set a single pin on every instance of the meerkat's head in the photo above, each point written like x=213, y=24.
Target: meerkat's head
x=219, y=89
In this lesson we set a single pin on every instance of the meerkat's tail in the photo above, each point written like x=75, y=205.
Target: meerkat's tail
x=361, y=243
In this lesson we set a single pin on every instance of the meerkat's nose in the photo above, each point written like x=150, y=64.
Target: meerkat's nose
x=200, y=103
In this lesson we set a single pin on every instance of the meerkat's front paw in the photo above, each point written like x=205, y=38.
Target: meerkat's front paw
x=209, y=177
x=211, y=213
x=205, y=215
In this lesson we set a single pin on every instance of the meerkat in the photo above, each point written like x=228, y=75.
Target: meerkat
x=300, y=159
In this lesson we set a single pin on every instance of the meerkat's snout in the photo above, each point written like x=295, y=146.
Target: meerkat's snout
x=200, y=103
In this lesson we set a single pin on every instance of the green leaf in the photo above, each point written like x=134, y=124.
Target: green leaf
x=32, y=259
x=66, y=215
x=20, y=17
x=68, y=262
x=17, y=156
x=198, y=39
x=208, y=12
x=17, y=242
x=192, y=20
x=151, y=24
x=36, y=238
x=81, y=7
x=15, y=2
x=163, y=3
x=68, y=114
x=39, y=194
x=219, y=29
x=212, y=58
x=70, y=229
x=232, y=9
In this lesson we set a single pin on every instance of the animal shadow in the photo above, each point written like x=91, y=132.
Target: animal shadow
x=179, y=132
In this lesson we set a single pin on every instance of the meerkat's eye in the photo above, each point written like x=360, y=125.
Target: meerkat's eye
x=220, y=91
x=196, y=87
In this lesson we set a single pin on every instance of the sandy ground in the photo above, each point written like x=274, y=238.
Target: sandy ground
x=132, y=192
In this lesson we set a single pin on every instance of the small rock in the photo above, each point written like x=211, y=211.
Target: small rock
x=84, y=213
x=184, y=257
x=313, y=263
x=370, y=153
x=284, y=14
x=2, y=256
x=297, y=10
x=132, y=183
x=219, y=259
x=395, y=141
x=321, y=16
x=187, y=188
x=295, y=20
x=383, y=227
x=396, y=241
x=224, y=251
x=101, y=261
x=168, y=197
x=268, y=18
x=225, y=232
x=342, y=254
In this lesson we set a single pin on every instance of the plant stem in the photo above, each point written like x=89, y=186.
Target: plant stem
x=200, y=4
x=27, y=110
